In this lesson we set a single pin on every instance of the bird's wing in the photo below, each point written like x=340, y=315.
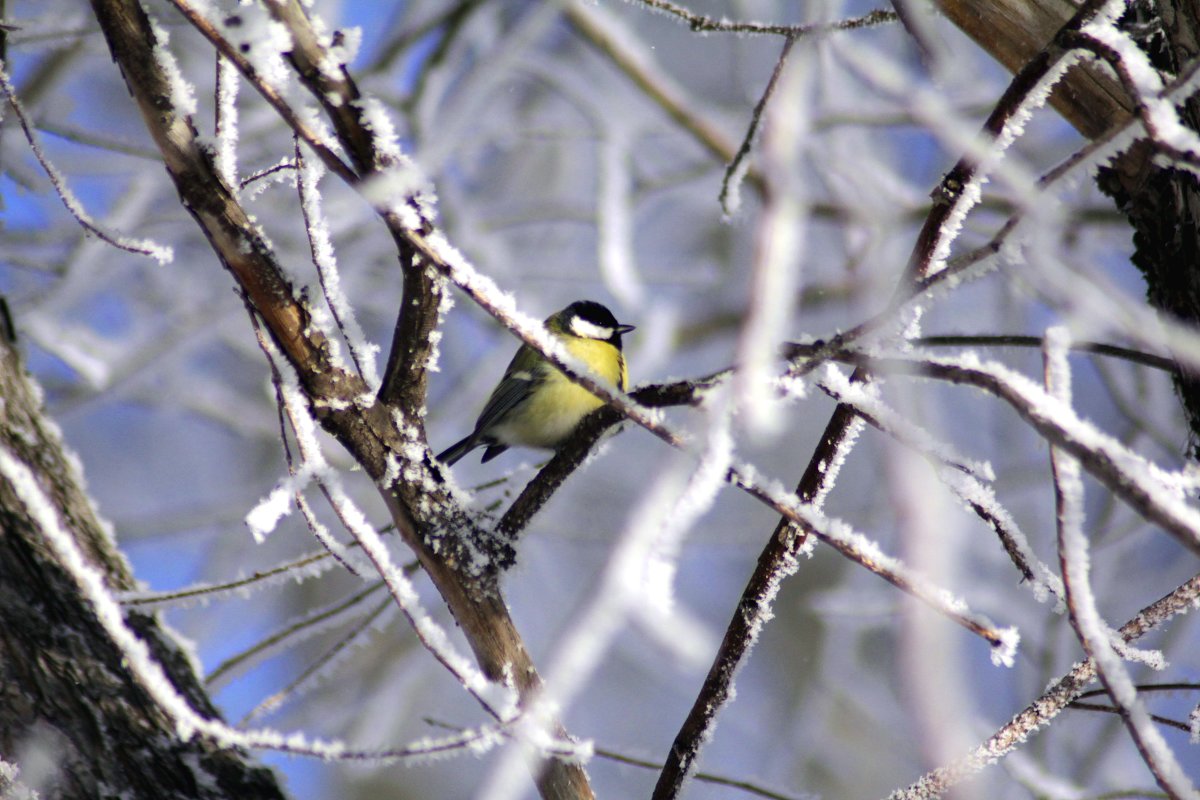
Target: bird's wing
x=513, y=388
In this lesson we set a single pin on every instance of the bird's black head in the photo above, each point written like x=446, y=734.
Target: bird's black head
x=591, y=320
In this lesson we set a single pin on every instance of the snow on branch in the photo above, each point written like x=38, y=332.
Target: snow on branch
x=314, y=467
x=1154, y=108
x=966, y=479
x=316, y=139
x=150, y=675
x=866, y=553
x=1157, y=494
x=163, y=254
x=1091, y=629
x=362, y=351
x=296, y=570
x=1049, y=705
x=703, y=23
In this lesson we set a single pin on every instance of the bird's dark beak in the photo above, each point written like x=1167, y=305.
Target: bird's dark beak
x=625, y=329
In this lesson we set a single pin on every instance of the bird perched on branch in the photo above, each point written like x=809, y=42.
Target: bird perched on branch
x=535, y=404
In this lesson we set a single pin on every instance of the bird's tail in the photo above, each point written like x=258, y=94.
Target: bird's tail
x=451, y=455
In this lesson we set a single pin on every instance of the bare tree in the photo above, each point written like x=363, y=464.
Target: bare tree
x=978, y=411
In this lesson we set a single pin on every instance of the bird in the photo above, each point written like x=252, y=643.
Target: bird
x=535, y=404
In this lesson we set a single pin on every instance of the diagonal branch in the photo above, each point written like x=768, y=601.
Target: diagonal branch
x=457, y=555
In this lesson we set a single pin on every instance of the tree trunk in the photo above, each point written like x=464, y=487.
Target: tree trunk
x=73, y=718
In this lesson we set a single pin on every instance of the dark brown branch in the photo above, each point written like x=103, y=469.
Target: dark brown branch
x=731, y=170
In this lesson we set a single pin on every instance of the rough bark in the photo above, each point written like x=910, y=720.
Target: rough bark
x=1163, y=204
x=65, y=694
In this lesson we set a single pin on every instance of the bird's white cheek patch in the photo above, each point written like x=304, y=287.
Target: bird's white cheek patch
x=589, y=330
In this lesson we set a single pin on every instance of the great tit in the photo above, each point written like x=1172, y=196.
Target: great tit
x=535, y=404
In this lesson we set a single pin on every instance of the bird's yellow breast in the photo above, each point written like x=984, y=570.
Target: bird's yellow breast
x=558, y=405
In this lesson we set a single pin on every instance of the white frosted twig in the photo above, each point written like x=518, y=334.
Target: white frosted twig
x=263, y=518
x=161, y=253
x=965, y=478
x=280, y=172
x=841, y=536
x=1157, y=494
x=1093, y=632
x=1155, y=111
x=305, y=126
x=297, y=570
x=864, y=398
x=362, y=351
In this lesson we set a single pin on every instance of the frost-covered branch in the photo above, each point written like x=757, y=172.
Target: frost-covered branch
x=704, y=23
x=1090, y=628
x=1143, y=83
x=1049, y=705
x=142, y=247
x=966, y=480
x=1157, y=495
x=291, y=571
x=960, y=189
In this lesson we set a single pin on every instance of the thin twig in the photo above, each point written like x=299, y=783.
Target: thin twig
x=703, y=23
x=734, y=170
x=1171, y=723
x=292, y=631
x=142, y=247
x=342, y=645
x=294, y=568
